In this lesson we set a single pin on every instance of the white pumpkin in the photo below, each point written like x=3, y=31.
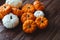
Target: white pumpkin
x=15, y=3
x=38, y=13
x=10, y=21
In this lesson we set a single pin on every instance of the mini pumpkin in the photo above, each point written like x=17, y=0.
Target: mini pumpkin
x=10, y=21
x=28, y=8
x=41, y=22
x=38, y=13
x=29, y=26
x=17, y=11
x=38, y=5
x=14, y=3
x=4, y=9
x=27, y=16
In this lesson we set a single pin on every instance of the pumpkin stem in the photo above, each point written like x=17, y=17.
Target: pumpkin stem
x=10, y=17
x=27, y=15
x=29, y=26
x=41, y=21
x=28, y=7
x=4, y=6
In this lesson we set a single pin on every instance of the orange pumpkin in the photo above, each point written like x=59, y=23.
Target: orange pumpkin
x=29, y=26
x=38, y=5
x=41, y=22
x=17, y=11
x=28, y=8
x=27, y=16
x=4, y=9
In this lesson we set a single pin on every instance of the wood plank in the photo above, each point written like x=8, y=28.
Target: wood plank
x=57, y=37
x=53, y=8
x=9, y=34
x=19, y=36
x=57, y=21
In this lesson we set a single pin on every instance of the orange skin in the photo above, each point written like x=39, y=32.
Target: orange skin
x=4, y=9
x=27, y=16
x=38, y=5
x=28, y=8
x=17, y=11
x=41, y=22
x=29, y=26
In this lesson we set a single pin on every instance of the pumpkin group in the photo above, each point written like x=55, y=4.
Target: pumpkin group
x=27, y=16
x=28, y=8
x=41, y=22
x=29, y=26
x=4, y=9
x=31, y=15
x=38, y=5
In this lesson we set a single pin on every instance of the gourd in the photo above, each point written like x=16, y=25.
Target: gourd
x=41, y=22
x=28, y=8
x=27, y=16
x=17, y=12
x=4, y=9
x=14, y=3
x=38, y=5
x=10, y=21
x=38, y=13
x=29, y=26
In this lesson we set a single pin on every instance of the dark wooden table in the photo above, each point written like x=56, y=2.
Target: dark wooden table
x=52, y=32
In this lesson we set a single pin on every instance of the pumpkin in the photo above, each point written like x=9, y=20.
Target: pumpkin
x=27, y=16
x=14, y=3
x=38, y=13
x=10, y=21
x=29, y=26
x=4, y=9
x=38, y=5
x=41, y=22
x=28, y=8
x=17, y=11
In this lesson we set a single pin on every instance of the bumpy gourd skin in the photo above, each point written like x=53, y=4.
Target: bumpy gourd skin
x=27, y=16
x=29, y=26
x=10, y=21
x=28, y=8
x=38, y=5
x=14, y=3
x=38, y=13
x=41, y=22
x=4, y=9
x=17, y=12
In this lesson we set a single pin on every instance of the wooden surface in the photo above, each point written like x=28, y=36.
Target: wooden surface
x=52, y=32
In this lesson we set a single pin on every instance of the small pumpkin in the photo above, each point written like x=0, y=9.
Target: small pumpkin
x=17, y=11
x=29, y=26
x=28, y=8
x=27, y=16
x=38, y=5
x=38, y=13
x=14, y=3
x=41, y=22
x=4, y=9
x=10, y=21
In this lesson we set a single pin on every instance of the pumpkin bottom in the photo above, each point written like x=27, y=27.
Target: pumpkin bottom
x=29, y=26
x=41, y=22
